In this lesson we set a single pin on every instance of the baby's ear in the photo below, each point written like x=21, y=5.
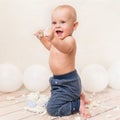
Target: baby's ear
x=75, y=25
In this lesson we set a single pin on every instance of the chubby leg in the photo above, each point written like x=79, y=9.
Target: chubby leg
x=83, y=111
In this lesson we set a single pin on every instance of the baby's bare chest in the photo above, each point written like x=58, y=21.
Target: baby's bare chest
x=55, y=52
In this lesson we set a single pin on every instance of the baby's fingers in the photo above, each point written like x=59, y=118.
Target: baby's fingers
x=39, y=34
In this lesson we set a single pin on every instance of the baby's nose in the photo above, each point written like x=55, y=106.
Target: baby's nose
x=57, y=25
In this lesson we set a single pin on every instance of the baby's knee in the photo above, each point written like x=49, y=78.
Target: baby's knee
x=59, y=110
x=51, y=110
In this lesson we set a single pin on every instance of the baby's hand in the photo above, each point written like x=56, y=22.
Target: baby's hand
x=39, y=34
x=48, y=33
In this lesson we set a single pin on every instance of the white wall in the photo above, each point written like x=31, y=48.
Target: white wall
x=98, y=34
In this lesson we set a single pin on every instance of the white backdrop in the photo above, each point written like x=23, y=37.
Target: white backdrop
x=98, y=34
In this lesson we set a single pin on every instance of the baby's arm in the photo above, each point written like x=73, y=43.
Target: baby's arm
x=66, y=45
x=44, y=39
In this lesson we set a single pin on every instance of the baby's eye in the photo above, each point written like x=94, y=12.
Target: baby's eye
x=62, y=22
x=53, y=22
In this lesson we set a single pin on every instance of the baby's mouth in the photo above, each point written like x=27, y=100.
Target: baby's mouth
x=59, y=32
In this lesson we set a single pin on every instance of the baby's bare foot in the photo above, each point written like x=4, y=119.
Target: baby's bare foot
x=86, y=101
x=83, y=111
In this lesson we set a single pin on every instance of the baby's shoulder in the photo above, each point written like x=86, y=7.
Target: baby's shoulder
x=69, y=38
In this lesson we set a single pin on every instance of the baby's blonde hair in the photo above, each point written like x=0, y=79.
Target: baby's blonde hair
x=72, y=10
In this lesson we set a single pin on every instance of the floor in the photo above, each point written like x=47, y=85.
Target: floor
x=104, y=106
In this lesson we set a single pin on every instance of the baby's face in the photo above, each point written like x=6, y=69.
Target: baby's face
x=62, y=23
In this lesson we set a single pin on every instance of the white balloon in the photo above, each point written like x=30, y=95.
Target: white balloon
x=114, y=76
x=94, y=78
x=36, y=78
x=10, y=78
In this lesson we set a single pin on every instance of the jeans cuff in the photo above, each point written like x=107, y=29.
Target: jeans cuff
x=75, y=106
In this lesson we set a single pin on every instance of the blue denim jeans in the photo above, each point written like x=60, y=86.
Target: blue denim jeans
x=65, y=94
